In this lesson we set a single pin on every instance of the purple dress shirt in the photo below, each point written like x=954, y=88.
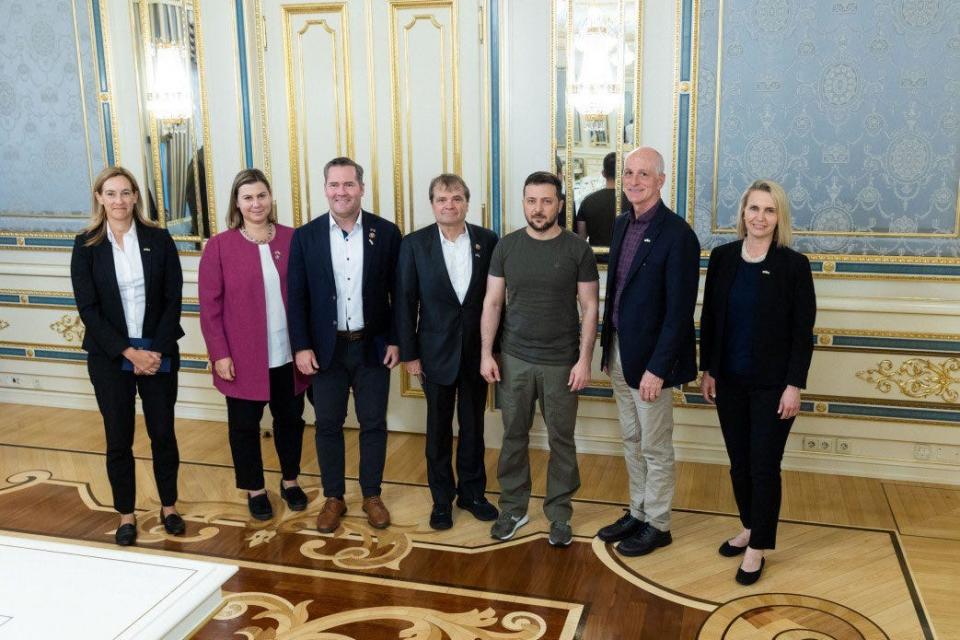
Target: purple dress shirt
x=632, y=238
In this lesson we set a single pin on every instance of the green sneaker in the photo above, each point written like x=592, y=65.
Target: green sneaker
x=561, y=535
x=507, y=525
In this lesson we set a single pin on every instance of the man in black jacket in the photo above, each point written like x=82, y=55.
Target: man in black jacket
x=441, y=280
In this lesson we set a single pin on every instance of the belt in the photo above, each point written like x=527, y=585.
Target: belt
x=350, y=336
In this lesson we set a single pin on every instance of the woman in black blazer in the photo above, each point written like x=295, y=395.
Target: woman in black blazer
x=756, y=342
x=127, y=285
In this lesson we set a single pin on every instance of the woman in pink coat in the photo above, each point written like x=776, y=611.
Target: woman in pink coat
x=243, y=296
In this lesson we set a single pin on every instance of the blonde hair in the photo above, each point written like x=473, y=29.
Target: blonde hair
x=783, y=235
x=97, y=229
x=247, y=176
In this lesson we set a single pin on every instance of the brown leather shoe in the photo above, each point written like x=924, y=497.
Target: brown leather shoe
x=329, y=517
x=377, y=514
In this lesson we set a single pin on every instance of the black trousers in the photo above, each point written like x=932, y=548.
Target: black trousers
x=331, y=390
x=243, y=421
x=469, y=394
x=755, y=437
x=116, y=392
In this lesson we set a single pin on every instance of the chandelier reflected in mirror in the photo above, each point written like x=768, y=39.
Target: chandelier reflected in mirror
x=596, y=89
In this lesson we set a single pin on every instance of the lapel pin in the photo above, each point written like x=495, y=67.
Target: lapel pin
x=765, y=272
x=477, y=246
x=276, y=256
x=146, y=248
x=646, y=239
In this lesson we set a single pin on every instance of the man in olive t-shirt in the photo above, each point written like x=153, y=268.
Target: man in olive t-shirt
x=539, y=272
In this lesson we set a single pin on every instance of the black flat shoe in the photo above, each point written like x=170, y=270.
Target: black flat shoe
x=174, y=524
x=749, y=577
x=260, y=507
x=480, y=508
x=441, y=517
x=727, y=550
x=294, y=496
x=126, y=535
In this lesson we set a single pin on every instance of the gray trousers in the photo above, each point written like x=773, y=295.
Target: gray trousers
x=647, y=430
x=522, y=386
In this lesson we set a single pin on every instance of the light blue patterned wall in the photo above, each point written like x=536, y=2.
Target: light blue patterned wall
x=48, y=146
x=853, y=106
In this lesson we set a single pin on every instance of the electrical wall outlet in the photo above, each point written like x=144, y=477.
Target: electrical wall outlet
x=843, y=446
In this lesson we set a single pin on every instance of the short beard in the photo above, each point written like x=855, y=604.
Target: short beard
x=546, y=226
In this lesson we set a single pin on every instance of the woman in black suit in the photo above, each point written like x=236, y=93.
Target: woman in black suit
x=127, y=285
x=756, y=342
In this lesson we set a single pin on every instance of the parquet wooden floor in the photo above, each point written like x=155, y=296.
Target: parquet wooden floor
x=845, y=566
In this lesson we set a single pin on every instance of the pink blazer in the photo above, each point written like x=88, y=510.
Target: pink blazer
x=233, y=310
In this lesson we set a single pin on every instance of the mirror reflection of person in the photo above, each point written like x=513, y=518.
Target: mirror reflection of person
x=127, y=284
x=756, y=343
x=243, y=317
x=441, y=282
x=196, y=195
x=600, y=209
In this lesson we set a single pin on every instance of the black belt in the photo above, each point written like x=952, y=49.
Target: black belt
x=350, y=336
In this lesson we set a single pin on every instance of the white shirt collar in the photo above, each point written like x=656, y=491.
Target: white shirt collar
x=463, y=237
x=357, y=225
x=131, y=233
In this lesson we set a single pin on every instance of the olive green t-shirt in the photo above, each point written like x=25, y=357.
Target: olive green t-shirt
x=542, y=323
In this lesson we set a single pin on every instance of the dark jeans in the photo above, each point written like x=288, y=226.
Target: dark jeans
x=116, y=392
x=243, y=420
x=331, y=390
x=755, y=437
x=469, y=394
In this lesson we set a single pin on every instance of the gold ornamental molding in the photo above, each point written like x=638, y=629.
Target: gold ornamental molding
x=70, y=328
x=917, y=378
x=4, y=324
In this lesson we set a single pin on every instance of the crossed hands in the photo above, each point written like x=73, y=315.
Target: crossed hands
x=145, y=362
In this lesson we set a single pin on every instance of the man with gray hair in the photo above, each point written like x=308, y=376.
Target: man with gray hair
x=651, y=294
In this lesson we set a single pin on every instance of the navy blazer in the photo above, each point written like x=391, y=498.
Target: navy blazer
x=447, y=337
x=656, y=331
x=97, y=295
x=785, y=314
x=312, y=290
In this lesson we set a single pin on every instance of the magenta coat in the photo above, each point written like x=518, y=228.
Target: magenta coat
x=233, y=310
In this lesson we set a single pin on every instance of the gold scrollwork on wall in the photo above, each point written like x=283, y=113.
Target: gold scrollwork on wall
x=4, y=324
x=917, y=377
x=70, y=328
x=409, y=75
x=329, y=21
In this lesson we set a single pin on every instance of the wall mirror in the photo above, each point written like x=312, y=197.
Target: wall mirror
x=178, y=190
x=595, y=47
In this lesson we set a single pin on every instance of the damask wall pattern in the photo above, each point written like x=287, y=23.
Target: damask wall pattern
x=853, y=106
x=50, y=132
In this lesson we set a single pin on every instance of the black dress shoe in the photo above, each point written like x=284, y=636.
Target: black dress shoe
x=126, y=535
x=749, y=577
x=479, y=507
x=648, y=539
x=727, y=550
x=260, y=507
x=621, y=529
x=294, y=496
x=174, y=524
x=441, y=517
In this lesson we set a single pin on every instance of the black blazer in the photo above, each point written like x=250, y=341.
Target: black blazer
x=312, y=290
x=447, y=338
x=785, y=313
x=656, y=331
x=97, y=295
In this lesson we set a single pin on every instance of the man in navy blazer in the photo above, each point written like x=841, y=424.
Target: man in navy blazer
x=340, y=283
x=441, y=282
x=651, y=294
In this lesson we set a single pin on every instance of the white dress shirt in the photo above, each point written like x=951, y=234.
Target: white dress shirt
x=278, y=340
x=456, y=255
x=129, y=269
x=347, y=257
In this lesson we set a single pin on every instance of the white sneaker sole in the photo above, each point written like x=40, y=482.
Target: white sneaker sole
x=519, y=523
x=560, y=544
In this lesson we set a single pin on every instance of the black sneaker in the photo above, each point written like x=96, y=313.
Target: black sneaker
x=621, y=529
x=260, y=507
x=294, y=496
x=479, y=507
x=441, y=517
x=648, y=539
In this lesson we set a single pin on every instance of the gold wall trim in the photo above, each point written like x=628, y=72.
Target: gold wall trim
x=372, y=105
x=83, y=90
x=32, y=347
x=211, y=211
x=261, y=48
x=407, y=390
x=70, y=328
x=400, y=104
x=4, y=324
x=296, y=121
x=916, y=378
x=107, y=97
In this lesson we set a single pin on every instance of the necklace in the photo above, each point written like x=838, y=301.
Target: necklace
x=266, y=240
x=748, y=258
